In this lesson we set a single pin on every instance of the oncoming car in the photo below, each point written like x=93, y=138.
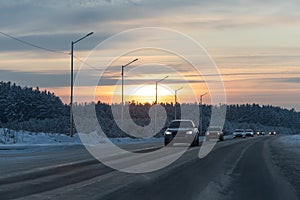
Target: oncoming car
x=239, y=133
x=214, y=132
x=182, y=131
x=249, y=132
x=272, y=133
x=260, y=133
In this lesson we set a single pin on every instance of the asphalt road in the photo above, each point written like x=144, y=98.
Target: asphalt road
x=235, y=169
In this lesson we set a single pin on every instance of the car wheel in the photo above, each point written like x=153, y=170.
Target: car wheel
x=167, y=142
x=195, y=142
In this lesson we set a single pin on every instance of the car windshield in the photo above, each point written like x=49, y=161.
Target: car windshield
x=214, y=129
x=239, y=130
x=181, y=124
x=249, y=130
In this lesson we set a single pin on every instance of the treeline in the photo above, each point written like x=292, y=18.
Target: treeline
x=267, y=115
x=26, y=108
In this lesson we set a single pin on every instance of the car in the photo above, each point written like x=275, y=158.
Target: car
x=214, y=132
x=249, y=132
x=239, y=133
x=272, y=133
x=182, y=131
x=260, y=133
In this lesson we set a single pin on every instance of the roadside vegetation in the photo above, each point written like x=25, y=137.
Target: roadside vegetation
x=29, y=109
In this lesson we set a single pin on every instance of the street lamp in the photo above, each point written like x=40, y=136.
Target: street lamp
x=123, y=66
x=72, y=82
x=156, y=83
x=176, y=101
x=201, y=113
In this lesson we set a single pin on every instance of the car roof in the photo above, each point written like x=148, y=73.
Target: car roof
x=181, y=120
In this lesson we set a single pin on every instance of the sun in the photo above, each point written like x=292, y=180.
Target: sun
x=147, y=94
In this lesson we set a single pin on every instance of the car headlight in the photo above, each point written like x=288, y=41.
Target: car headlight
x=189, y=132
x=168, y=132
x=218, y=133
x=207, y=133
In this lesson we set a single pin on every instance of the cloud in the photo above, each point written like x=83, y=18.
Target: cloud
x=220, y=23
x=57, y=42
x=35, y=79
x=290, y=80
x=55, y=23
x=62, y=79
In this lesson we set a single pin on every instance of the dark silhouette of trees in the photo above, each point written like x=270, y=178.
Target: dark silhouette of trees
x=25, y=108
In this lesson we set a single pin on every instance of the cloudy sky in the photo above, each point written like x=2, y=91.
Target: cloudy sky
x=255, y=45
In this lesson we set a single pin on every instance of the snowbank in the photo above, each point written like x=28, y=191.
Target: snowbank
x=11, y=137
x=24, y=138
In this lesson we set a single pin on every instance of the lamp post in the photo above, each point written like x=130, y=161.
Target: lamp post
x=156, y=83
x=201, y=113
x=72, y=82
x=176, y=102
x=122, y=73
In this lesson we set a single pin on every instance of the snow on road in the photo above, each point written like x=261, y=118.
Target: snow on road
x=291, y=140
x=286, y=154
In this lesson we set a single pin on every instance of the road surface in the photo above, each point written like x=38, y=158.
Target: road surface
x=236, y=169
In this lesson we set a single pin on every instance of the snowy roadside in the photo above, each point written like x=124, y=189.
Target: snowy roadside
x=286, y=153
x=10, y=139
x=23, y=139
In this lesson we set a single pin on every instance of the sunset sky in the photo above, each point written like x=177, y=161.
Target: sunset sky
x=254, y=44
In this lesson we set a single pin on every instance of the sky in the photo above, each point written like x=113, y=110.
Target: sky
x=254, y=44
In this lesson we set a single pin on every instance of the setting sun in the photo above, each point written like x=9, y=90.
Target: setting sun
x=146, y=94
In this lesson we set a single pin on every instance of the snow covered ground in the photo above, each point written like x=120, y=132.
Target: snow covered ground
x=12, y=138
x=291, y=140
x=286, y=154
x=24, y=138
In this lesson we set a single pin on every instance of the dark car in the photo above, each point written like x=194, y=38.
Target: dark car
x=249, y=132
x=182, y=131
x=214, y=132
x=260, y=133
x=238, y=133
x=272, y=133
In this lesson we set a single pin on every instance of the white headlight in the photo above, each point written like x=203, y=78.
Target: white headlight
x=207, y=133
x=189, y=132
x=168, y=132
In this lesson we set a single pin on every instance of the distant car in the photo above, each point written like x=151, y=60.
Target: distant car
x=214, y=132
x=272, y=133
x=249, y=132
x=239, y=133
x=260, y=133
x=185, y=132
